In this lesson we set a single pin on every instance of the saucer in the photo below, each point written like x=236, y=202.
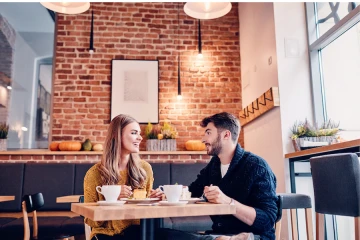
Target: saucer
x=166, y=203
x=105, y=203
x=191, y=200
x=146, y=200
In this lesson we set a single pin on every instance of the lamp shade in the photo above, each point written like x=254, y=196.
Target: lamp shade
x=207, y=10
x=67, y=7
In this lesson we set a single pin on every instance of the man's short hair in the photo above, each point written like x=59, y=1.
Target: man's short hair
x=224, y=121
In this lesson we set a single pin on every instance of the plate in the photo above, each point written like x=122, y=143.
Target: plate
x=191, y=200
x=105, y=203
x=146, y=200
x=166, y=203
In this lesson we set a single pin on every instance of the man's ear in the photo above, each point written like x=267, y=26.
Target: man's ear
x=227, y=134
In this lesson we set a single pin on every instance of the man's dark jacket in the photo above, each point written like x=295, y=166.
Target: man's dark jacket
x=250, y=181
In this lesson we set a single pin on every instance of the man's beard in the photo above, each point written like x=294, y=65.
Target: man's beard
x=215, y=147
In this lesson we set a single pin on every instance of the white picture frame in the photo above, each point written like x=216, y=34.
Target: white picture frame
x=135, y=89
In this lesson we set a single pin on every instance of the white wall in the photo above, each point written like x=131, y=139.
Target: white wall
x=262, y=37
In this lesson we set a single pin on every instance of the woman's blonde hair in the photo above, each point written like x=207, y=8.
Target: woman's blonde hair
x=109, y=167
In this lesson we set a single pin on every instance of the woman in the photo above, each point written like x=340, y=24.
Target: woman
x=120, y=165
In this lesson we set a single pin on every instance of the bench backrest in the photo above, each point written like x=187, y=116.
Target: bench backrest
x=61, y=179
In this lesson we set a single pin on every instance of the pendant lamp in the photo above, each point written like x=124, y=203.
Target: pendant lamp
x=91, y=49
x=67, y=7
x=199, y=41
x=207, y=10
x=179, y=97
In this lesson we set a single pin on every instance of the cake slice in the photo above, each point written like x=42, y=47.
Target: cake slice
x=139, y=194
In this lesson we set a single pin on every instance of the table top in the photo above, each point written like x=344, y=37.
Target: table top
x=6, y=198
x=68, y=199
x=133, y=211
x=324, y=149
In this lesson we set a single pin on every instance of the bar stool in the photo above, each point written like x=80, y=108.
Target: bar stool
x=336, y=180
x=294, y=201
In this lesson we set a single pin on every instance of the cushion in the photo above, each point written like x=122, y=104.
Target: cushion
x=192, y=224
x=80, y=171
x=185, y=173
x=52, y=180
x=48, y=226
x=11, y=183
x=161, y=174
x=73, y=226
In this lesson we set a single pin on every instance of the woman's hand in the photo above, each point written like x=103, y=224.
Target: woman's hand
x=126, y=191
x=157, y=193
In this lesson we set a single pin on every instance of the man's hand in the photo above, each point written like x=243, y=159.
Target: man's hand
x=215, y=195
x=125, y=191
x=157, y=193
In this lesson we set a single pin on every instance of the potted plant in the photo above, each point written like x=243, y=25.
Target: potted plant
x=4, y=130
x=304, y=135
x=160, y=138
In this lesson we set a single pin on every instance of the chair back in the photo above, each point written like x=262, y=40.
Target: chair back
x=293, y=202
x=33, y=202
x=336, y=180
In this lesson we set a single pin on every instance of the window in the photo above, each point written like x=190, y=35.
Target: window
x=26, y=49
x=334, y=39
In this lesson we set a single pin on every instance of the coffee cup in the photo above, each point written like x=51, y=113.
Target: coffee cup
x=110, y=192
x=172, y=192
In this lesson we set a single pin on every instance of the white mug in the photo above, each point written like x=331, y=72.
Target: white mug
x=172, y=192
x=110, y=192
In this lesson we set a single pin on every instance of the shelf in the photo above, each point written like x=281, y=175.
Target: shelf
x=47, y=152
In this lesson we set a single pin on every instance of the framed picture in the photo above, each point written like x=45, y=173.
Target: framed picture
x=135, y=89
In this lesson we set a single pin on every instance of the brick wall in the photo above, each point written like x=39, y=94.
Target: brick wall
x=81, y=104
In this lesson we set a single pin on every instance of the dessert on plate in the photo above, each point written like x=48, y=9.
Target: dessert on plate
x=139, y=194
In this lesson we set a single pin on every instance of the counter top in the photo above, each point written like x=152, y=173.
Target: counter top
x=332, y=147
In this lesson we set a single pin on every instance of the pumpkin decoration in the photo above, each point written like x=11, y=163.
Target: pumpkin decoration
x=97, y=147
x=70, y=146
x=54, y=146
x=194, y=145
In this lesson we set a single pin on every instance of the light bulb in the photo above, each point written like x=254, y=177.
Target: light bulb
x=91, y=51
x=179, y=97
x=24, y=129
x=9, y=87
x=200, y=55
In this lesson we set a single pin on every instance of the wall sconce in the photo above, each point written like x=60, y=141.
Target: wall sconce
x=207, y=10
x=67, y=7
x=199, y=41
x=91, y=49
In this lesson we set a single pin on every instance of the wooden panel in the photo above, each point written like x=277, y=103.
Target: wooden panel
x=6, y=198
x=48, y=152
x=132, y=211
x=267, y=101
x=68, y=199
x=333, y=147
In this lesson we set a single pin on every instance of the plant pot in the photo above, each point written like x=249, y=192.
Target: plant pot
x=295, y=145
x=3, y=144
x=161, y=145
x=312, y=142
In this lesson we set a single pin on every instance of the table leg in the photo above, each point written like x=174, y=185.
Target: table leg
x=150, y=229
x=292, y=176
x=143, y=229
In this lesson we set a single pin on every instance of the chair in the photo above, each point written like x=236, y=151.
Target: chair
x=294, y=201
x=31, y=203
x=336, y=180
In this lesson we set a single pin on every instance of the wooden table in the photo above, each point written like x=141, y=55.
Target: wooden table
x=305, y=155
x=68, y=199
x=133, y=211
x=6, y=198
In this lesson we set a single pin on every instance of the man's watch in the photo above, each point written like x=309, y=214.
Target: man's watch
x=232, y=202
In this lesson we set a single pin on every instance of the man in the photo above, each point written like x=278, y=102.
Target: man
x=237, y=177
